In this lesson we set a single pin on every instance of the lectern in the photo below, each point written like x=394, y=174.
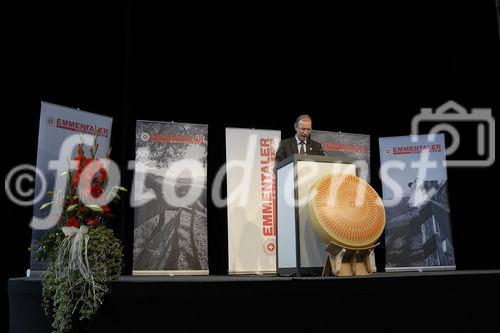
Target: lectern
x=300, y=251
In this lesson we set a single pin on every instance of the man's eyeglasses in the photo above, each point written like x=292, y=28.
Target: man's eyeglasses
x=305, y=129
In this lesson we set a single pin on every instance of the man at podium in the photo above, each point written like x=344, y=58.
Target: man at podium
x=300, y=143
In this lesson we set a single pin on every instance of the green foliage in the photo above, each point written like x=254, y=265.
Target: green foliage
x=66, y=295
x=48, y=245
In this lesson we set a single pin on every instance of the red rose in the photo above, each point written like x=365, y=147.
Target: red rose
x=73, y=222
x=105, y=211
x=91, y=221
x=96, y=190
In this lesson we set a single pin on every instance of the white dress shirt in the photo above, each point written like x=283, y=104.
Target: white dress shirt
x=298, y=145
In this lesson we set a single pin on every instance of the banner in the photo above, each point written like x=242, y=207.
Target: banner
x=349, y=146
x=170, y=199
x=414, y=185
x=251, y=200
x=58, y=123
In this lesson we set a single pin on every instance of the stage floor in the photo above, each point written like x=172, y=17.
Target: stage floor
x=384, y=301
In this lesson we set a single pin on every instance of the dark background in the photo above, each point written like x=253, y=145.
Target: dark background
x=354, y=68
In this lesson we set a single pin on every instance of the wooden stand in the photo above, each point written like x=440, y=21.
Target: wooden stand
x=344, y=261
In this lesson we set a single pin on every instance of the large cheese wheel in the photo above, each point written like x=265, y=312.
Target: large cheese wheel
x=346, y=210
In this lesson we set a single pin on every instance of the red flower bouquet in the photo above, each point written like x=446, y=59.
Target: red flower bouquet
x=83, y=252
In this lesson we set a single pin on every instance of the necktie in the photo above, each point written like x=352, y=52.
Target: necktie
x=302, y=148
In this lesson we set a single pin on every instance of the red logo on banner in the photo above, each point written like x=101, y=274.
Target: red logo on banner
x=270, y=247
x=411, y=150
x=76, y=126
x=268, y=186
x=51, y=121
x=345, y=148
x=178, y=138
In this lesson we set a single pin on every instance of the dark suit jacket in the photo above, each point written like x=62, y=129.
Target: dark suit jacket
x=289, y=147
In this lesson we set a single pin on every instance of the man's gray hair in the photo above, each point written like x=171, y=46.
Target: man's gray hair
x=302, y=117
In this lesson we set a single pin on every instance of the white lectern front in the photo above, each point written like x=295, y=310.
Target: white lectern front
x=299, y=250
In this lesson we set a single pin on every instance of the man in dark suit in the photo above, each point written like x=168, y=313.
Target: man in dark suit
x=300, y=143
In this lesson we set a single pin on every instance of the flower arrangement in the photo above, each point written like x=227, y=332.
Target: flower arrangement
x=83, y=253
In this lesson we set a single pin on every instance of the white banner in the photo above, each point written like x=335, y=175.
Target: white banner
x=58, y=123
x=251, y=200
